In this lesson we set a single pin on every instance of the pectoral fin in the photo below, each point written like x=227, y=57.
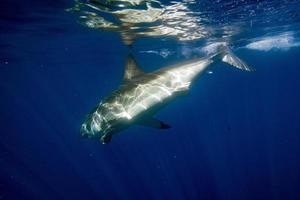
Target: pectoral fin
x=154, y=123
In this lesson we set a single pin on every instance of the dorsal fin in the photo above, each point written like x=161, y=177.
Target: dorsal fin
x=131, y=69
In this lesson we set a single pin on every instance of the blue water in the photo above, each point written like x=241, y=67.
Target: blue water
x=236, y=135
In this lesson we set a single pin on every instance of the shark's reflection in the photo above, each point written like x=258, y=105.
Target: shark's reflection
x=138, y=18
x=142, y=94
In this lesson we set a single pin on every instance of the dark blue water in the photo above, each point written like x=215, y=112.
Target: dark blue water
x=235, y=136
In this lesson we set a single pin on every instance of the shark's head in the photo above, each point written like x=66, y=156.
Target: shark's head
x=92, y=126
x=98, y=125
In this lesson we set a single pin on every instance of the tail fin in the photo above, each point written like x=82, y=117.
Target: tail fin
x=228, y=57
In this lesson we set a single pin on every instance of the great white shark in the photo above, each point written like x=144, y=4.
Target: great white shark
x=141, y=95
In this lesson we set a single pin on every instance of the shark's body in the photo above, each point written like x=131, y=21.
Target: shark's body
x=142, y=94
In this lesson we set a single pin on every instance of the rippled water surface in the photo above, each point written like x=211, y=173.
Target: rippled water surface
x=189, y=20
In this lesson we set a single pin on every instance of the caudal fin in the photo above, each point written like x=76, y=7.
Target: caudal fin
x=228, y=57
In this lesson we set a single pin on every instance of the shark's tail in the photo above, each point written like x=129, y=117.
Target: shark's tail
x=227, y=56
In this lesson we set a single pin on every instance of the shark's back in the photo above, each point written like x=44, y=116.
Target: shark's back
x=152, y=90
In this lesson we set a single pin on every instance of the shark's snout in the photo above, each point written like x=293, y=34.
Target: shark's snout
x=84, y=135
x=85, y=132
x=90, y=130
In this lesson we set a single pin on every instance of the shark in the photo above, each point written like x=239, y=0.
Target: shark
x=141, y=95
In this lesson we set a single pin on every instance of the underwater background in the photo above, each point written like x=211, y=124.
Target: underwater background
x=236, y=135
